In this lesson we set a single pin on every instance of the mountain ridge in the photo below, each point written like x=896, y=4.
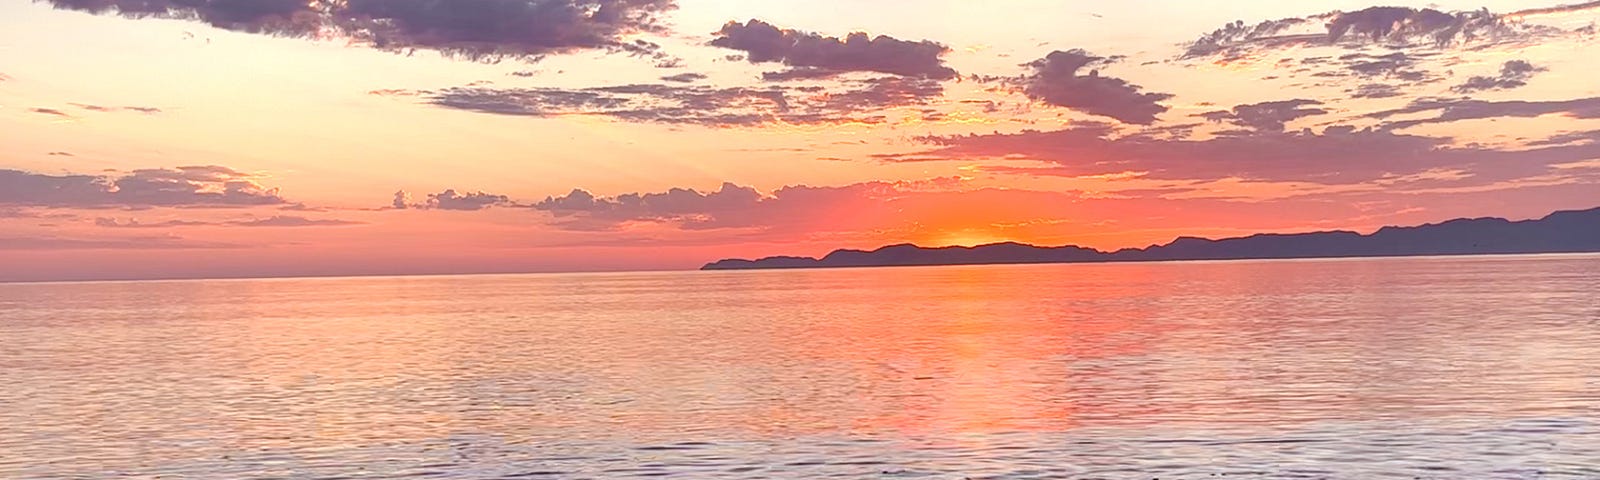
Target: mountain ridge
x=1566, y=231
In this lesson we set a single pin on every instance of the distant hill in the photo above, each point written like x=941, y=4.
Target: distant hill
x=1559, y=232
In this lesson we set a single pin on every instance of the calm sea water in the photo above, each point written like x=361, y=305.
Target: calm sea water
x=1435, y=368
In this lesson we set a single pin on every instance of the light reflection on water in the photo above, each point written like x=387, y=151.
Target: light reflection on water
x=1430, y=367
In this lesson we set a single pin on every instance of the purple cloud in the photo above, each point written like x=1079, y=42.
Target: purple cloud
x=1390, y=26
x=50, y=111
x=196, y=186
x=687, y=77
x=1458, y=109
x=1513, y=74
x=477, y=29
x=1266, y=116
x=1058, y=79
x=817, y=56
x=700, y=105
x=1339, y=155
x=451, y=200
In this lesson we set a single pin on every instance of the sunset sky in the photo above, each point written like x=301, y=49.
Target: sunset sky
x=243, y=138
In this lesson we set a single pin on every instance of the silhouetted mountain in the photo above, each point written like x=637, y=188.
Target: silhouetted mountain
x=1559, y=232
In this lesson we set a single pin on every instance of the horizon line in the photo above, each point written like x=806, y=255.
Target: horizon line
x=769, y=270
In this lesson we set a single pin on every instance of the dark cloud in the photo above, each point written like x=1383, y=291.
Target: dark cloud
x=1058, y=79
x=538, y=102
x=61, y=154
x=684, y=205
x=1389, y=26
x=1397, y=65
x=478, y=29
x=50, y=111
x=701, y=105
x=1458, y=109
x=686, y=77
x=1266, y=116
x=1335, y=156
x=451, y=200
x=496, y=28
x=1513, y=74
x=197, y=186
x=819, y=56
x=286, y=17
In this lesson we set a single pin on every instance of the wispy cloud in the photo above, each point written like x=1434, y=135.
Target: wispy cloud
x=277, y=221
x=202, y=186
x=858, y=101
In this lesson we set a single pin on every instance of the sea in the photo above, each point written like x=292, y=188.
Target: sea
x=1484, y=367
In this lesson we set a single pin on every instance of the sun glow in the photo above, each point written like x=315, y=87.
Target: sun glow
x=965, y=238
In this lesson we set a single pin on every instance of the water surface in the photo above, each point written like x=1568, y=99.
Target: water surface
x=1438, y=368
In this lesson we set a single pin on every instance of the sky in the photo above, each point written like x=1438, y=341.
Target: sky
x=250, y=138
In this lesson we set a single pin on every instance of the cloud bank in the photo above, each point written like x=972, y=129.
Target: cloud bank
x=811, y=55
x=194, y=186
x=477, y=29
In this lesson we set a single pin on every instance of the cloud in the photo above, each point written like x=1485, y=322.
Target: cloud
x=194, y=186
x=1376, y=90
x=1057, y=79
x=1399, y=27
x=819, y=56
x=273, y=221
x=107, y=222
x=678, y=204
x=1397, y=65
x=686, y=77
x=50, y=111
x=105, y=109
x=451, y=200
x=1513, y=74
x=61, y=154
x=1339, y=155
x=1266, y=116
x=1458, y=109
x=699, y=104
x=477, y=29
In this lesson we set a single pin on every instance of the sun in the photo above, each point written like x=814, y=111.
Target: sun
x=965, y=238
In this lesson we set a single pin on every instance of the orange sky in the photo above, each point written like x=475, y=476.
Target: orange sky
x=654, y=134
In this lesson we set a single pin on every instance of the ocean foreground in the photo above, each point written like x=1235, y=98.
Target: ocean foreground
x=1432, y=368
